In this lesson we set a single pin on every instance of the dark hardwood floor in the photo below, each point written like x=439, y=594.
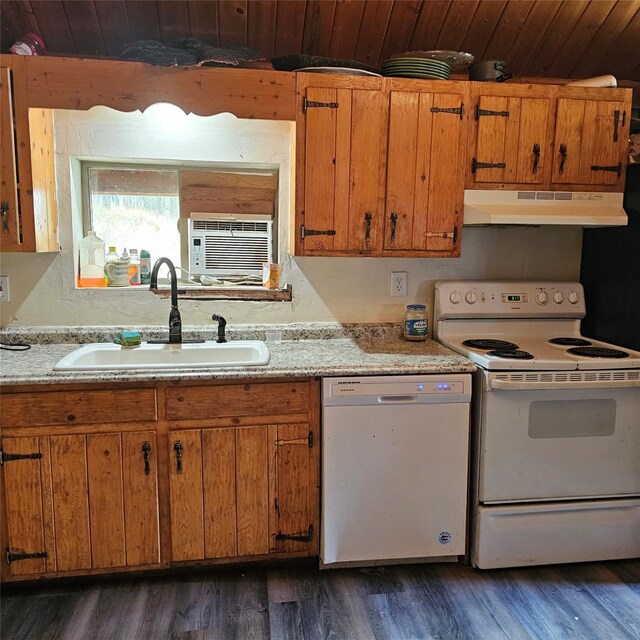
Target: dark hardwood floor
x=596, y=601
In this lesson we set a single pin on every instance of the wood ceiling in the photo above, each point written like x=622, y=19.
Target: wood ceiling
x=550, y=38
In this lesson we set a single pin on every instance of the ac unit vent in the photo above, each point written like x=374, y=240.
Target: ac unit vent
x=544, y=195
x=563, y=195
x=526, y=195
x=230, y=225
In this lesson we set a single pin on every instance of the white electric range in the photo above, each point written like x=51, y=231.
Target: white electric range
x=556, y=438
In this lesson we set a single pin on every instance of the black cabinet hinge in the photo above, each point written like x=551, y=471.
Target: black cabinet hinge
x=297, y=537
x=475, y=165
x=308, y=104
x=314, y=232
x=13, y=557
x=7, y=457
x=616, y=168
x=459, y=110
x=488, y=112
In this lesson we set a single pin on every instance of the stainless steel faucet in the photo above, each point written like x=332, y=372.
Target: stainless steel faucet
x=175, y=321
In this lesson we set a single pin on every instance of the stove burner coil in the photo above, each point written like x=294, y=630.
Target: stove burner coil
x=570, y=342
x=488, y=343
x=598, y=352
x=513, y=354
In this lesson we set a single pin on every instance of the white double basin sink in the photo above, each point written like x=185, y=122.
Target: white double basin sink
x=200, y=355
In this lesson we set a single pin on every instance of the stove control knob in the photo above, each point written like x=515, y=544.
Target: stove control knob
x=455, y=297
x=558, y=297
x=542, y=297
x=573, y=297
x=471, y=297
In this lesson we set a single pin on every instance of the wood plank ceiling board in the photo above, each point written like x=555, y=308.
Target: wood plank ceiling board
x=560, y=28
x=456, y=24
x=428, y=25
x=203, y=21
x=17, y=19
x=531, y=34
x=232, y=23
x=573, y=47
x=508, y=28
x=346, y=25
x=626, y=51
x=482, y=27
x=143, y=20
x=174, y=20
x=85, y=27
x=54, y=27
x=289, y=27
x=401, y=23
x=372, y=29
x=261, y=27
x=606, y=36
x=114, y=25
x=318, y=25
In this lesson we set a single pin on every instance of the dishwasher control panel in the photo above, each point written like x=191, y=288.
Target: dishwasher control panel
x=398, y=389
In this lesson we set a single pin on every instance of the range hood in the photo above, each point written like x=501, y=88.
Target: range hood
x=585, y=209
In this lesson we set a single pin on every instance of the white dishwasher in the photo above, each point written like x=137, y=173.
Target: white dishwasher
x=395, y=457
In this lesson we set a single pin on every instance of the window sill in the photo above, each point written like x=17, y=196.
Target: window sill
x=227, y=293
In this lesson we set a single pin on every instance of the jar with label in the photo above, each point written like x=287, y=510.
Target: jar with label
x=415, y=322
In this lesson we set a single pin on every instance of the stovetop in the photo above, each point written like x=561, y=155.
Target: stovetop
x=528, y=326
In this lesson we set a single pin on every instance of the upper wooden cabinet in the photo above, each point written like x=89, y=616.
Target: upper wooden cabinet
x=425, y=173
x=27, y=178
x=591, y=139
x=379, y=166
x=547, y=137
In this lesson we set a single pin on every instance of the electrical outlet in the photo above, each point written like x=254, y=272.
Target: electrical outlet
x=398, y=283
x=4, y=289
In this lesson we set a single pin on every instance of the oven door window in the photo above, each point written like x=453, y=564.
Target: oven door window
x=553, y=445
x=572, y=418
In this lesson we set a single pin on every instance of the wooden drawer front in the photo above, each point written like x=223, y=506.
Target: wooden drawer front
x=262, y=399
x=77, y=407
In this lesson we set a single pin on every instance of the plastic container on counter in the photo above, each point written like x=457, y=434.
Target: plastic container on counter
x=416, y=326
x=92, y=261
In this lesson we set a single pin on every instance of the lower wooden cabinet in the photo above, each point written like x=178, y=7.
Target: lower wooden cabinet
x=218, y=480
x=241, y=491
x=80, y=502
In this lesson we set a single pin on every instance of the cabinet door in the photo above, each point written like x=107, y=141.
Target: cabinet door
x=27, y=173
x=511, y=136
x=10, y=233
x=88, y=502
x=342, y=170
x=590, y=139
x=425, y=178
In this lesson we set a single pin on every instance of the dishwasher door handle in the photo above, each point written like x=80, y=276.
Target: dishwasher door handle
x=397, y=399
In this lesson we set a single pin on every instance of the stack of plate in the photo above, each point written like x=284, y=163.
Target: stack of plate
x=416, y=68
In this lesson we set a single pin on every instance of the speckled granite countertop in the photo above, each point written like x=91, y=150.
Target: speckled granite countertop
x=318, y=350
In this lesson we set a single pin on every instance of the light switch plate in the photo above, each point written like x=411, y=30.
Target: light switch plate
x=4, y=289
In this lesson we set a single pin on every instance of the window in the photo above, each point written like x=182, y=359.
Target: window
x=209, y=222
x=134, y=207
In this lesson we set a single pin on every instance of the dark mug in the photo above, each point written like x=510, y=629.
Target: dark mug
x=489, y=71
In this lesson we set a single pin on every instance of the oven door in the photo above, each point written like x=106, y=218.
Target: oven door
x=551, y=443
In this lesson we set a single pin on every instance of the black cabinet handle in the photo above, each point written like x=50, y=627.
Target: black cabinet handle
x=178, y=447
x=616, y=123
x=394, y=223
x=4, y=211
x=146, y=450
x=367, y=229
x=563, y=155
x=536, y=157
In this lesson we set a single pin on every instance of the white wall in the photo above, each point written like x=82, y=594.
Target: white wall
x=324, y=289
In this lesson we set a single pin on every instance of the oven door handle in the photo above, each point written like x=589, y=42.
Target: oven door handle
x=511, y=385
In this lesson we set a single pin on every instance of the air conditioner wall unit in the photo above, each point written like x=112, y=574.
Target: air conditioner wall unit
x=224, y=244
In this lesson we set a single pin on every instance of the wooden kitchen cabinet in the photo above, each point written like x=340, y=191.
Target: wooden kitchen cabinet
x=368, y=182
x=547, y=137
x=78, y=502
x=591, y=138
x=425, y=172
x=240, y=489
x=510, y=135
x=80, y=481
x=27, y=177
x=341, y=148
